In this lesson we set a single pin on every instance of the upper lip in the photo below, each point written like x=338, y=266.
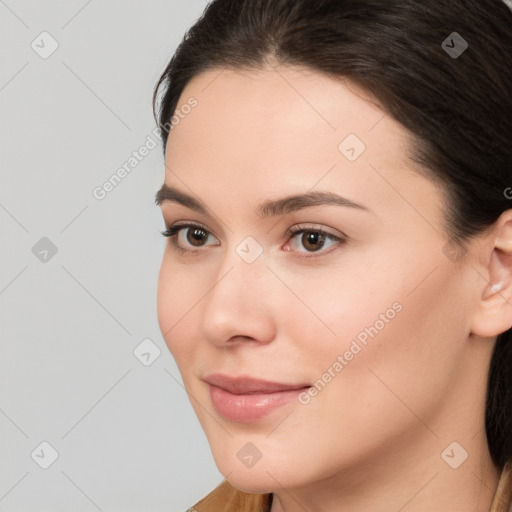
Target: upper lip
x=249, y=385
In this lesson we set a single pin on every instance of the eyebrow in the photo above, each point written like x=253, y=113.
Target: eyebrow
x=269, y=208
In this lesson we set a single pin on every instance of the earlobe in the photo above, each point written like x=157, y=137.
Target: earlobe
x=494, y=310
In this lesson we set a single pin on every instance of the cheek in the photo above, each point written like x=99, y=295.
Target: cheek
x=393, y=316
x=334, y=306
x=177, y=294
x=401, y=341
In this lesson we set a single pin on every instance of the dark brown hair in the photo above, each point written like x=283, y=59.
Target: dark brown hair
x=457, y=108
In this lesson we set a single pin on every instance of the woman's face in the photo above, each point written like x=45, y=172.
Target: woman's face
x=374, y=316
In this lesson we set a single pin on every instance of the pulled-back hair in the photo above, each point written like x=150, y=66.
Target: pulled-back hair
x=458, y=109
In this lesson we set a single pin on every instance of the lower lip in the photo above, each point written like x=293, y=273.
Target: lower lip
x=250, y=408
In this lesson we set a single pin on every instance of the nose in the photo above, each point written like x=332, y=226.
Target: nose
x=238, y=307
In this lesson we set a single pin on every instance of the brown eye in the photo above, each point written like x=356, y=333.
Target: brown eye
x=312, y=240
x=184, y=237
x=195, y=236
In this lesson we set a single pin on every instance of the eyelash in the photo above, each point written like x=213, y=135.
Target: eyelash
x=172, y=231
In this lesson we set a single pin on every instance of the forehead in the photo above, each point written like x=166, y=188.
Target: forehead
x=254, y=134
x=296, y=99
x=289, y=113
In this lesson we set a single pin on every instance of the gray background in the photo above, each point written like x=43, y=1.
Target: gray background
x=125, y=433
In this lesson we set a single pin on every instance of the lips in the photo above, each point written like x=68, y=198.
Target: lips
x=250, y=385
x=249, y=400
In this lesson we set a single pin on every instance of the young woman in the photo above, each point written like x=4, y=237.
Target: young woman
x=336, y=288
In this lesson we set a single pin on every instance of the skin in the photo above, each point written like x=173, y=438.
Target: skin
x=372, y=438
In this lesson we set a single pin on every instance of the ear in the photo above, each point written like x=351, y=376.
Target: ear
x=493, y=314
